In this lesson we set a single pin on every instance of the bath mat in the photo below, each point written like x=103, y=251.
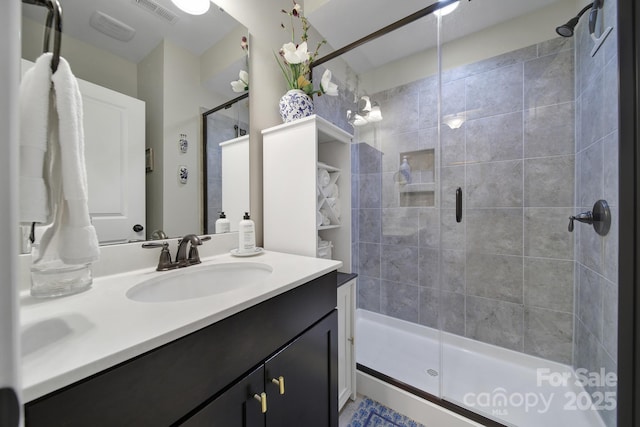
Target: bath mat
x=372, y=414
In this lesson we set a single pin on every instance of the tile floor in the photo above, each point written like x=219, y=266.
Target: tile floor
x=348, y=410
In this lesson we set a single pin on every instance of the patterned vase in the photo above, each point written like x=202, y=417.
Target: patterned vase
x=294, y=105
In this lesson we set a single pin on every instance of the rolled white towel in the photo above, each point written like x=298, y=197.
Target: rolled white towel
x=331, y=190
x=336, y=206
x=325, y=217
x=323, y=177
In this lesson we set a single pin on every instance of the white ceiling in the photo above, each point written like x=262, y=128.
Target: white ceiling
x=195, y=33
x=344, y=21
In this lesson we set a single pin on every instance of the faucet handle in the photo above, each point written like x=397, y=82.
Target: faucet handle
x=586, y=217
x=164, y=262
x=194, y=256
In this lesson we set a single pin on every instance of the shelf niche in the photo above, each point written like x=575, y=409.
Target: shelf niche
x=420, y=192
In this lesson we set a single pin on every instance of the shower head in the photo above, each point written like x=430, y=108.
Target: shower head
x=566, y=30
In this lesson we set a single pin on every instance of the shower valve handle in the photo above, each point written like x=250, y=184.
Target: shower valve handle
x=599, y=217
x=586, y=217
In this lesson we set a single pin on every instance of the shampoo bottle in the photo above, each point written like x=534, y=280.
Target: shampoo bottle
x=246, y=235
x=223, y=225
x=405, y=170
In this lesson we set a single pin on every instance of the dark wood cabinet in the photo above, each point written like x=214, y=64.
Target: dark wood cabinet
x=309, y=367
x=236, y=407
x=210, y=377
x=298, y=385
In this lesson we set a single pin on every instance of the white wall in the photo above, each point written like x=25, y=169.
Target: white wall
x=9, y=78
x=87, y=62
x=150, y=90
x=183, y=97
x=222, y=54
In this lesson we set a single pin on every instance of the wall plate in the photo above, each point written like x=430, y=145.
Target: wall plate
x=183, y=143
x=183, y=174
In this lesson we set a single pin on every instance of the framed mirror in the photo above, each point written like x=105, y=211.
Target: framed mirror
x=147, y=71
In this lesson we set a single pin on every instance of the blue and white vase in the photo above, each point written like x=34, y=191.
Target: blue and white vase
x=294, y=105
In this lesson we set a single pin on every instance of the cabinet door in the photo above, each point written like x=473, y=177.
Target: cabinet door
x=236, y=407
x=308, y=367
x=346, y=361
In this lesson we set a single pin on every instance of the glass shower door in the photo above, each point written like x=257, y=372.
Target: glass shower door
x=527, y=308
x=396, y=226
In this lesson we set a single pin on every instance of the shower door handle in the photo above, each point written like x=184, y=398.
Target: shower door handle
x=459, y=205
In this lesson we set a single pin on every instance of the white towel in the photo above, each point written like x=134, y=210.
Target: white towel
x=331, y=190
x=323, y=177
x=34, y=115
x=71, y=237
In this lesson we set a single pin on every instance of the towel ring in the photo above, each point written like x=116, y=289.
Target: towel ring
x=54, y=20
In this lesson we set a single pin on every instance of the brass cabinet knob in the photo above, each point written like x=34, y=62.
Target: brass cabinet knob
x=279, y=382
x=262, y=398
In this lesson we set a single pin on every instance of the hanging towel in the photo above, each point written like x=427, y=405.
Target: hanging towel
x=34, y=115
x=71, y=237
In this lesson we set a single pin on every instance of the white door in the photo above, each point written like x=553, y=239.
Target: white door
x=114, y=128
x=114, y=137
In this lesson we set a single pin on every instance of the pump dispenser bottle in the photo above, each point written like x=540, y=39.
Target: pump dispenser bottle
x=246, y=235
x=223, y=225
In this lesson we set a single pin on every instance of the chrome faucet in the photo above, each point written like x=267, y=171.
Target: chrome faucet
x=182, y=260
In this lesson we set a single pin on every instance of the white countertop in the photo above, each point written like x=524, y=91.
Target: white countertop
x=67, y=339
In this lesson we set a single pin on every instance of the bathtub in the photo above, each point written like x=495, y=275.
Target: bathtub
x=512, y=388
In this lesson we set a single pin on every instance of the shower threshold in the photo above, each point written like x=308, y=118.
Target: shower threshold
x=512, y=388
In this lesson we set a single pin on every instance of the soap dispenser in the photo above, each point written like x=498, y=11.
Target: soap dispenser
x=223, y=225
x=246, y=235
x=405, y=170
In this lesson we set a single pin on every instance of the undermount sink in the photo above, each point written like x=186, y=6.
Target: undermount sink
x=198, y=282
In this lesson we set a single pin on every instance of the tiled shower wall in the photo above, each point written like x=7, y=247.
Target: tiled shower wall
x=505, y=274
x=596, y=281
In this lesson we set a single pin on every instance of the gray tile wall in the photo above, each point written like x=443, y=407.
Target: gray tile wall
x=596, y=172
x=504, y=275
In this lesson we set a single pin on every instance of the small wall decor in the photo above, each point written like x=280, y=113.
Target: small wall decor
x=183, y=174
x=184, y=144
x=148, y=159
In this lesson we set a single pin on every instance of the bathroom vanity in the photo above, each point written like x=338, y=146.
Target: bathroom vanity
x=270, y=360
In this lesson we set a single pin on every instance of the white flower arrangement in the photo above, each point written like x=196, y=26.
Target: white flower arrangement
x=295, y=60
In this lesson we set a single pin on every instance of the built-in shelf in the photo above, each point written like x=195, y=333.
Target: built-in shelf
x=420, y=187
x=328, y=167
x=292, y=154
x=328, y=227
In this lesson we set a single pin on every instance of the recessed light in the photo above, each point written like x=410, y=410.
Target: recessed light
x=193, y=7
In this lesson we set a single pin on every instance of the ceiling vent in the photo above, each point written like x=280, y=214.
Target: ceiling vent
x=157, y=9
x=111, y=26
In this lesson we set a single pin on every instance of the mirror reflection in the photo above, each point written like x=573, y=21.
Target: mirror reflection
x=147, y=71
x=226, y=165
